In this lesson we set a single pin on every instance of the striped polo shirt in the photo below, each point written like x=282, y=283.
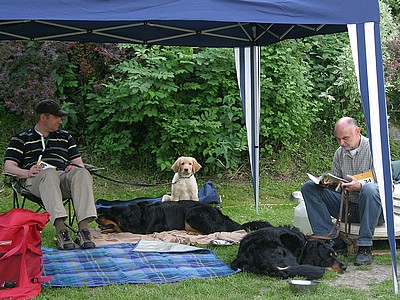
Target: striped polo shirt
x=25, y=147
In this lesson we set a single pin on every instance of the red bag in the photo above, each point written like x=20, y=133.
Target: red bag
x=21, y=260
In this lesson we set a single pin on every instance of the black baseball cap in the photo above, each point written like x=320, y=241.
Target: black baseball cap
x=50, y=107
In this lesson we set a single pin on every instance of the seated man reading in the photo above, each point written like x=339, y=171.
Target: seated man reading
x=351, y=158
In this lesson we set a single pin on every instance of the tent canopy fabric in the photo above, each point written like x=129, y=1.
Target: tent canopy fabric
x=226, y=23
x=203, y=23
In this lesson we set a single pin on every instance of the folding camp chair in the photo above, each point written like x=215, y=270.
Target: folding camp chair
x=19, y=190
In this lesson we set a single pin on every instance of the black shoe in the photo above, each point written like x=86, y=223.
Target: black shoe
x=339, y=245
x=64, y=242
x=84, y=240
x=364, y=256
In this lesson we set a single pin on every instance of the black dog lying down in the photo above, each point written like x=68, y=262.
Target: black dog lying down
x=284, y=252
x=192, y=216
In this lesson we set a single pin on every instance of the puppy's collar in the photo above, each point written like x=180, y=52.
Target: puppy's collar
x=181, y=177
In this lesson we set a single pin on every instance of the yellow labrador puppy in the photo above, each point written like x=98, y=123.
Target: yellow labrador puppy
x=184, y=184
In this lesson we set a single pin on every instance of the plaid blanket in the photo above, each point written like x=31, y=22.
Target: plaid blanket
x=122, y=263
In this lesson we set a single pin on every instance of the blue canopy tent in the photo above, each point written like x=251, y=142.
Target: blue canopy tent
x=227, y=23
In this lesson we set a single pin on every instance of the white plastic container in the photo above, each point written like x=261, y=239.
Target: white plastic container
x=301, y=218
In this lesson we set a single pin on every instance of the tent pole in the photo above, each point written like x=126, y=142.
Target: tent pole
x=367, y=56
x=247, y=60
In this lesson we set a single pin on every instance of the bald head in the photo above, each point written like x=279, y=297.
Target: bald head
x=346, y=121
x=347, y=133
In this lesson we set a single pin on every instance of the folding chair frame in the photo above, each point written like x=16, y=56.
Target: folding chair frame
x=18, y=190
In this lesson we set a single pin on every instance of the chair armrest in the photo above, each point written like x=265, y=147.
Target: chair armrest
x=9, y=174
x=9, y=178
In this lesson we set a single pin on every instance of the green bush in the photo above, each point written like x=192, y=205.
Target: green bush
x=167, y=102
x=287, y=110
x=172, y=101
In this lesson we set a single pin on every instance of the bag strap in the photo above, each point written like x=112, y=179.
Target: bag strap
x=336, y=226
x=17, y=248
x=39, y=278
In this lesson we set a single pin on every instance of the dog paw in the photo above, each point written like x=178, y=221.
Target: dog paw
x=194, y=233
x=166, y=198
x=109, y=228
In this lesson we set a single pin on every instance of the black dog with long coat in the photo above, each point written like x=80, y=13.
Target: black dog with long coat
x=284, y=252
x=144, y=218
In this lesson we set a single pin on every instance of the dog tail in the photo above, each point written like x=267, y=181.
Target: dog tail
x=255, y=225
x=308, y=271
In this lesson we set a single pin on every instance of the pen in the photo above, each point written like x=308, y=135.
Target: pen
x=43, y=147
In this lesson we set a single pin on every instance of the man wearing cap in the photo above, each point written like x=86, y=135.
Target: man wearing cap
x=49, y=163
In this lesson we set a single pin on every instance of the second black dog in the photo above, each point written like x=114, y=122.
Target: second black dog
x=284, y=252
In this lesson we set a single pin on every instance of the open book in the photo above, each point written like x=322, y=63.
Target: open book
x=328, y=180
x=45, y=165
x=332, y=181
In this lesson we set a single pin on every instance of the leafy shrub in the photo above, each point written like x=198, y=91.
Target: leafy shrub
x=392, y=70
x=175, y=101
x=286, y=106
x=394, y=7
x=27, y=75
x=34, y=71
x=166, y=102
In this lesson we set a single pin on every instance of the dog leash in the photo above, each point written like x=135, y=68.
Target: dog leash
x=130, y=183
x=140, y=184
x=337, y=223
x=94, y=172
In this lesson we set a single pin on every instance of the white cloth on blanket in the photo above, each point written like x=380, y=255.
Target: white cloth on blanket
x=173, y=236
x=160, y=246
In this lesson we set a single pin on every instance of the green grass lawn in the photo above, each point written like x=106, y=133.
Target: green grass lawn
x=238, y=203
